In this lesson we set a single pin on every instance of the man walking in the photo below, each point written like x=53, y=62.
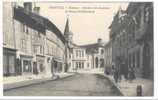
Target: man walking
x=116, y=74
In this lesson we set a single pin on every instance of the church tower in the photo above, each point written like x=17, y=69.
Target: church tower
x=67, y=33
x=68, y=46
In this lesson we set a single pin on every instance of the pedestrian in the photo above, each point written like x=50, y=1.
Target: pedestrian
x=131, y=74
x=125, y=71
x=116, y=74
x=113, y=68
x=120, y=72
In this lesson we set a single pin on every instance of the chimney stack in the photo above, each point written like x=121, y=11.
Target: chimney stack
x=28, y=6
x=100, y=41
x=37, y=10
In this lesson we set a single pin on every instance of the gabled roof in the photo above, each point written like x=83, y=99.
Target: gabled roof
x=36, y=22
x=30, y=19
x=52, y=27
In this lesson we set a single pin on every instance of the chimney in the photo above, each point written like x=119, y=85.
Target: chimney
x=36, y=10
x=28, y=6
x=100, y=42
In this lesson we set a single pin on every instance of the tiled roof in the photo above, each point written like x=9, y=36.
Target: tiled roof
x=31, y=20
x=36, y=22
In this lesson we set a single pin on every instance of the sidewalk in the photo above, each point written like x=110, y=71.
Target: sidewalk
x=22, y=81
x=129, y=88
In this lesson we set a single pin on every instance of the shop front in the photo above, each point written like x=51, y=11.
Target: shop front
x=9, y=62
x=26, y=64
x=40, y=64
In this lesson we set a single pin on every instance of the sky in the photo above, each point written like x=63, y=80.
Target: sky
x=87, y=21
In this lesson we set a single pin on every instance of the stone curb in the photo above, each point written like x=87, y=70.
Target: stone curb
x=115, y=85
x=32, y=82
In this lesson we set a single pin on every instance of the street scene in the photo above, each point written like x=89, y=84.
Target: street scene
x=78, y=49
x=77, y=85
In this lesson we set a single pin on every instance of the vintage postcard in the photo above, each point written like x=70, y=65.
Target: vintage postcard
x=82, y=48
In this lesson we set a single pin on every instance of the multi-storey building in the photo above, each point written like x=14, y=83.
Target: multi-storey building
x=9, y=44
x=68, y=46
x=118, y=38
x=31, y=42
x=54, y=49
x=31, y=29
x=140, y=49
x=132, y=38
x=78, y=58
x=95, y=54
x=108, y=57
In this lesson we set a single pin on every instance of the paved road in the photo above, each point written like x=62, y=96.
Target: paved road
x=76, y=85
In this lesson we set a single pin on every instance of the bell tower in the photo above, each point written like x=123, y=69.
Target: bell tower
x=68, y=37
x=67, y=33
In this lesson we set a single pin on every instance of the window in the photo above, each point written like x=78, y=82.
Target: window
x=83, y=54
x=82, y=64
x=34, y=49
x=80, y=53
x=69, y=64
x=138, y=19
x=146, y=14
x=102, y=51
x=133, y=60
x=23, y=45
x=47, y=49
x=77, y=65
x=138, y=59
x=39, y=34
x=41, y=49
x=70, y=56
x=77, y=53
x=87, y=64
x=24, y=28
x=5, y=65
x=129, y=60
x=27, y=30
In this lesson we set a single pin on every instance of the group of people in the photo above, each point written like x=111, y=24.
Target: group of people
x=123, y=70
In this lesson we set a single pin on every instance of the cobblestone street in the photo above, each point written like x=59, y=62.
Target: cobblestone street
x=76, y=85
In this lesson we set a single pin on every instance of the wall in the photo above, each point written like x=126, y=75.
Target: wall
x=8, y=29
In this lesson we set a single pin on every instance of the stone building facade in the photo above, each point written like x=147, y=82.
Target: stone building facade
x=78, y=58
x=87, y=57
x=9, y=44
x=108, y=57
x=140, y=51
x=30, y=42
x=132, y=39
x=95, y=53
